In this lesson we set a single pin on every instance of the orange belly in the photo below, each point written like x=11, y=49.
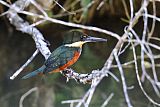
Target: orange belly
x=69, y=63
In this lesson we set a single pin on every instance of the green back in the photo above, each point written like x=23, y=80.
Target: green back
x=59, y=57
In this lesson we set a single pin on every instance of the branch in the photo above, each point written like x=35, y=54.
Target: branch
x=107, y=100
x=109, y=61
x=20, y=24
x=143, y=44
x=95, y=77
x=72, y=24
x=24, y=27
x=123, y=80
x=85, y=78
x=25, y=95
x=21, y=68
x=138, y=78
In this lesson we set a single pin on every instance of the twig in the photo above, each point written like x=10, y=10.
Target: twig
x=85, y=78
x=96, y=75
x=23, y=26
x=22, y=67
x=25, y=95
x=95, y=82
x=109, y=61
x=125, y=65
x=123, y=80
x=154, y=20
x=143, y=50
x=63, y=8
x=73, y=24
x=145, y=19
x=100, y=4
x=131, y=8
x=124, y=36
x=87, y=97
x=138, y=77
x=38, y=7
x=125, y=8
x=107, y=100
x=4, y=3
x=71, y=102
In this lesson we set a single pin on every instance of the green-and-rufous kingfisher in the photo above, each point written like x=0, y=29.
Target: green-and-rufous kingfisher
x=66, y=54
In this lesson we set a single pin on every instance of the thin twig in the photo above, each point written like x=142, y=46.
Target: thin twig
x=25, y=64
x=25, y=95
x=107, y=100
x=131, y=8
x=38, y=7
x=63, y=8
x=109, y=61
x=123, y=80
x=138, y=77
x=153, y=20
x=73, y=24
x=95, y=76
x=143, y=50
x=125, y=8
x=23, y=26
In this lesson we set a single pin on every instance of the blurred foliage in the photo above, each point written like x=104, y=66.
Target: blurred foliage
x=16, y=48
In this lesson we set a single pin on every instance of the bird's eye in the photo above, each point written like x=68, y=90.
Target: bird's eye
x=81, y=37
x=84, y=36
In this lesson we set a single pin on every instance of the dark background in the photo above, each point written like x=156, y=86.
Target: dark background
x=16, y=47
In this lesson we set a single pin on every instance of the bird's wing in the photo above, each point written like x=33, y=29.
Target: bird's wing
x=58, y=58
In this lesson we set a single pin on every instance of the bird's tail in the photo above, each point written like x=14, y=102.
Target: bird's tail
x=34, y=73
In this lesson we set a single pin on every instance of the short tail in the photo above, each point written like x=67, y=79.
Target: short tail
x=34, y=73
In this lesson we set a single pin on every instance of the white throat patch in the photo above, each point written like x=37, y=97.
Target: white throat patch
x=75, y=44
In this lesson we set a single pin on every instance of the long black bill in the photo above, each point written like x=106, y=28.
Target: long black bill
x=94, y=39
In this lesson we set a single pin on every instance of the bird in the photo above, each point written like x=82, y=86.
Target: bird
x=66, y=54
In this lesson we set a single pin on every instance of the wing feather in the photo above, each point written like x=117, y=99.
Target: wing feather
x=58, y=58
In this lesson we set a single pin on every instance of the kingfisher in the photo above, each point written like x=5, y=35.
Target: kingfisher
x=65, y=55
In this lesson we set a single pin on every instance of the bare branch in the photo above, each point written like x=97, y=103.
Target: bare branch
x=154, y=20
x=144, y=73
x=25, y=95
x=85, y=78
x=38, y=7
x=4, y=3
x=63, y=8
x=109, y=61
x=131, y=8
x=138, y=78
x=95, y=77
x=123, y=80
x=23, y=26
x=107, y=100
x=72, y=24
x=21, y=68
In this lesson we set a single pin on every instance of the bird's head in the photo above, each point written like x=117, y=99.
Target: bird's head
x=76, y=38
